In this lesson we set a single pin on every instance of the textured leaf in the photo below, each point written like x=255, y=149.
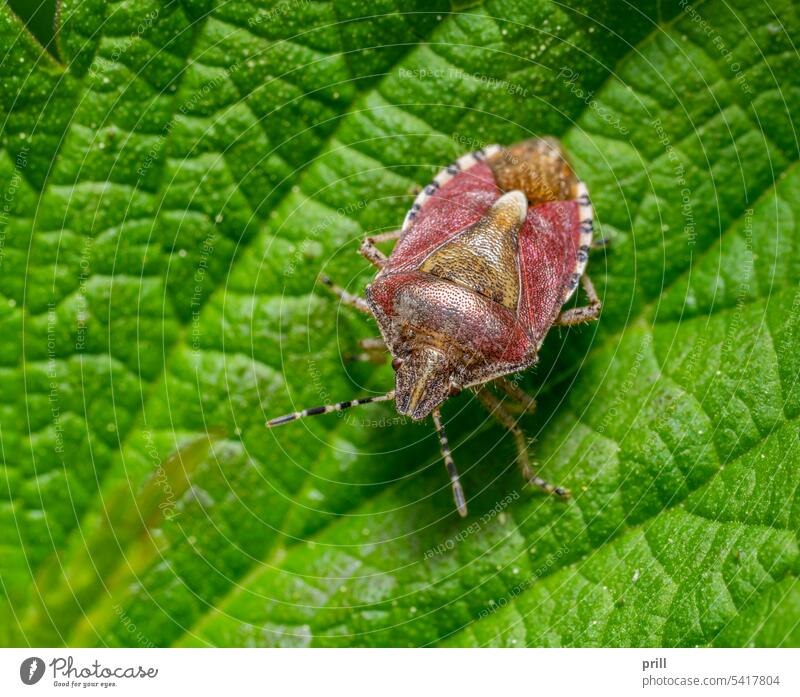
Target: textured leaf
x=177, y=183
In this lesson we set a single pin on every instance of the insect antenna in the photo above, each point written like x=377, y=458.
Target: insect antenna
x=328, y=408
x=458, y=492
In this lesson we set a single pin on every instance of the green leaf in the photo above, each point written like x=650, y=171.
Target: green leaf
x=177, y=183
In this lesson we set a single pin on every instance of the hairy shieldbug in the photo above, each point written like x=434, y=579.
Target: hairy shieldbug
x=487, y=256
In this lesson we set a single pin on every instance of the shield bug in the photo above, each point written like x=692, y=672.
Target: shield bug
x=486, y=257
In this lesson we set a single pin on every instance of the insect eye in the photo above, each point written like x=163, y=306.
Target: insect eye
x=454, y=389
x=396, y=363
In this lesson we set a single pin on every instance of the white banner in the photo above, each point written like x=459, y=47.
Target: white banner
x=400, y=672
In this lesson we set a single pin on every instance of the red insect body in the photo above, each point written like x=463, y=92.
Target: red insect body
x=479, y=275
x=549, y=241
x=487, y=256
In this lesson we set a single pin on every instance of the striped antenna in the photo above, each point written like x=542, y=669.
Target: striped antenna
x=458, y=492
x=328, y=408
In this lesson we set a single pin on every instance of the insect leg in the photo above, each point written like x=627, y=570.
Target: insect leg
x=387, y=236
x=347, y=298
x=371, y=252
x=601, y=243
x=458, y=492
x=496, y=409
x=587, y=313
x=328, y=408
x=524, y=403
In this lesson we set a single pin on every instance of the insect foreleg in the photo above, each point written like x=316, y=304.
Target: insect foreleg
x=328, y=408
x=458, y=492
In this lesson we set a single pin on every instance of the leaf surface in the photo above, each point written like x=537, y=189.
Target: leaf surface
x=190, y=169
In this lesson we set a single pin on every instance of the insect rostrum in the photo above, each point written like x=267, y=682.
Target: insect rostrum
x=487, y=255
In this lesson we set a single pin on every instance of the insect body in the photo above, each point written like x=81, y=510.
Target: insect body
x=487, y=255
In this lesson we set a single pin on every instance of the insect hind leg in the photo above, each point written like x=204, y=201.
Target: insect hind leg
x=495, y=407
x=455, y=481
x=522, y=402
